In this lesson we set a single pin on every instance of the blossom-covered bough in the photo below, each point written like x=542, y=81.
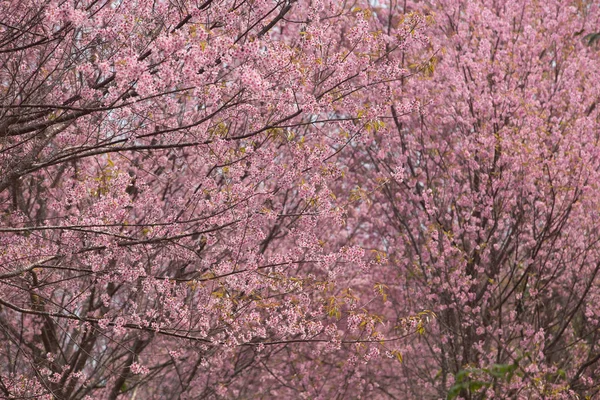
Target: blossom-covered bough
x=299, y=199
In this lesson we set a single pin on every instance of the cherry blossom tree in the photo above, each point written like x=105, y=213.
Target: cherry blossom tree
x=486, y=202
x=175, y=216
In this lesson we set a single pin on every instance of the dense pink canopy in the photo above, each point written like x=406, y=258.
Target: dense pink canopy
x=299, y=199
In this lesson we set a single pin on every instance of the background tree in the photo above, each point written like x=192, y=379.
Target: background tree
x=489, y=210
